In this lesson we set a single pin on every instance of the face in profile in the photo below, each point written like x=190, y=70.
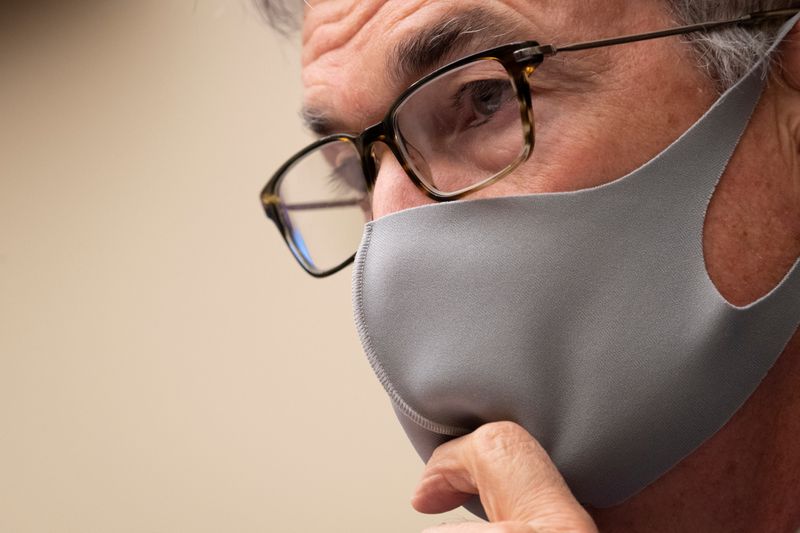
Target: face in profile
x=569, y=238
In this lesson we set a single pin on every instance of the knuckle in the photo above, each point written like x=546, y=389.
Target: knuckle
x=498, y=436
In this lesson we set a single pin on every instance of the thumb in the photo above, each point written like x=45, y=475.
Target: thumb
x=512, y=474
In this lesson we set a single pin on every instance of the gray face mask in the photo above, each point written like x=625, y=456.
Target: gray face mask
x=587, y=317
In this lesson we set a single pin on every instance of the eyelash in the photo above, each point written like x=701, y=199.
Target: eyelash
x=458, y=98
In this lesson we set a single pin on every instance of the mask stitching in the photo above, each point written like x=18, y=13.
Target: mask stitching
x=363, y=333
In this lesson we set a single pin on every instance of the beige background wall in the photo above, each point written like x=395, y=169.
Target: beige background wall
x=164, y=364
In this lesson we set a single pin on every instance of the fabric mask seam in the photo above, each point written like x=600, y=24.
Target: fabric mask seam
x=361, y=327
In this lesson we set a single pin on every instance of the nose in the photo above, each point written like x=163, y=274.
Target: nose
x=394, y=190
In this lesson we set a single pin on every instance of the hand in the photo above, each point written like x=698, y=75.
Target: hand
x=519, y=486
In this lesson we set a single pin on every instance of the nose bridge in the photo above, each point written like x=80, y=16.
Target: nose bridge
x=369, y=144
x=381, y=149
x=393, y=189
x=374, y=133
x=384, y=161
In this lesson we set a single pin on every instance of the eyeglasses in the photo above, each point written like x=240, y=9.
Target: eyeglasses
x=455, y=131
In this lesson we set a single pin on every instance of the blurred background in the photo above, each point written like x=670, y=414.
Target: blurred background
x=165, y=366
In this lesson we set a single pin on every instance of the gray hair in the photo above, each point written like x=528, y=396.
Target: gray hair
x=724, y=55
x=727, y=54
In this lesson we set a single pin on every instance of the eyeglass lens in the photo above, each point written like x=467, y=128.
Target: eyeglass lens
x=324, y=205
x=456, y=132
x=462, y=128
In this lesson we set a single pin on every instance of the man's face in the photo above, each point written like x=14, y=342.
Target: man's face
x=598, y=114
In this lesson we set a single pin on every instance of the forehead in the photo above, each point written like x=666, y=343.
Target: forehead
x=353, y=50
x=331, y=24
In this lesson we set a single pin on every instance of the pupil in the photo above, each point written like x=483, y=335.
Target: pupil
x=487, y=97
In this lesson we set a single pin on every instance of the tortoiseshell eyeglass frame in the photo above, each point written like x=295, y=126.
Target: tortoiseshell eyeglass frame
x=520, y=61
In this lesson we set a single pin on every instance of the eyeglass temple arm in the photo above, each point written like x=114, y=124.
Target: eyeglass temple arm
x=312, y=205
x=752, y=18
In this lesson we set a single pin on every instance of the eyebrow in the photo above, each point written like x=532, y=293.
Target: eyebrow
x=457, y=34
x=318, y=122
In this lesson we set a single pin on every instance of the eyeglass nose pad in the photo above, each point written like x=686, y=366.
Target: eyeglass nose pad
x=394, y=189
x=417, y=163
x=377, y=152
x=413, y=164
x=372, y=164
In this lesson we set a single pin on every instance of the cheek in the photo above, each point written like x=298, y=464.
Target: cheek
x=605, y=125
x=577, y=145
x=489, y=154
x=583, y=140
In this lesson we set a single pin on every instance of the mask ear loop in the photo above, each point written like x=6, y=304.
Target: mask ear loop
x=755, y=78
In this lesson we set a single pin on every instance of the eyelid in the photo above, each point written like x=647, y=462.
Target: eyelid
x=475, y=84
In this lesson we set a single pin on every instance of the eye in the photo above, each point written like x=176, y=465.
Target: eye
x=482, y=99
x=487, y=96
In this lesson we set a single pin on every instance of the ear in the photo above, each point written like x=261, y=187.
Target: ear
x=790, y=58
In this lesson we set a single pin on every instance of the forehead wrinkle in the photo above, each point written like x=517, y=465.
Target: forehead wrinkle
x=335, y=30
x=335, y=41
x=458, y=33
x=325, y=11
x=336, y=27
x=349, y=37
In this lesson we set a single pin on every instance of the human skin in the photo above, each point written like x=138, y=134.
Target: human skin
x=618, y=108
